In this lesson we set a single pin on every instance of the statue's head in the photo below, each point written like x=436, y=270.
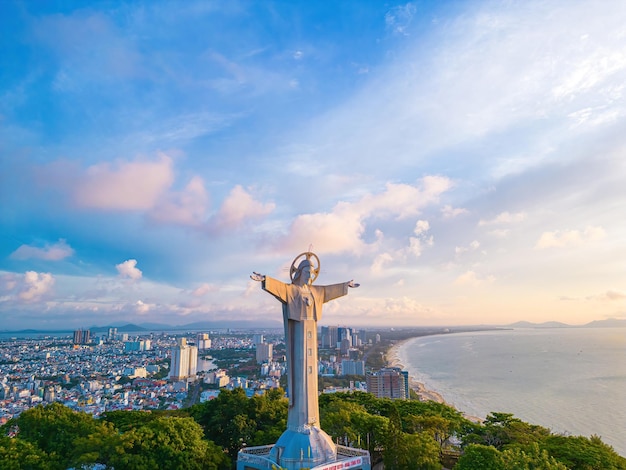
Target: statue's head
x=307, y=269
x=304, y=273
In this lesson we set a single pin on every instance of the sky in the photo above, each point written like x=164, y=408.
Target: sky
x=464, y=161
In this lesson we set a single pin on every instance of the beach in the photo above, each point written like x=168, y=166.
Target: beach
x=424, y=394
x=393, y=360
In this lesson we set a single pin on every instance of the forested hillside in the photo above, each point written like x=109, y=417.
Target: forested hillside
x=402, y=434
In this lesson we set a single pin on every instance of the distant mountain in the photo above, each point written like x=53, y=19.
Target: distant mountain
x=609, y=323
x=121, y=328
x=548, y=324
x=214, y=325
x=233, y=325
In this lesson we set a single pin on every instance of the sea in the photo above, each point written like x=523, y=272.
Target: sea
x=570, y=380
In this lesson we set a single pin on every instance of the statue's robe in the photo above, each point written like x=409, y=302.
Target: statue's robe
x=302, y=309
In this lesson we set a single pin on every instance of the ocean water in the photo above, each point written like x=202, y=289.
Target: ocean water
x=570, y=380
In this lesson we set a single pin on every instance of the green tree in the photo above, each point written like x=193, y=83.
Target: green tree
x=371, y=432
x=395, y=444
x=531, y=459
x=480, y=457
x=168, y=443
x=232, y=420
x=336, y=420
x=582, y=453
x=55, y=428
x=422, y=452
x=269, y=412
x=502, y=429
x=17, y=454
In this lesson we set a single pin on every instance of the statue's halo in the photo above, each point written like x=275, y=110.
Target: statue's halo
x=308, y=255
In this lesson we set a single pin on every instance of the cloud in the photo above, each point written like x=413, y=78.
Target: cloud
x=128, y=270
x=393, y=310
x=29, y=288
x=124, y=185
x=610, y=295
x=186, y=207
x=473, y=246
x=380, y=261
x=499, y=233
x=55, y=252
x=569, y=238
x=237, y=209
x=342, y=229
x=417, y=243
x=398, y=19
x=504, y=218
x=203, y=290
x=470, y=278
x=450, y=212
x=141, y=308
x=32, y=286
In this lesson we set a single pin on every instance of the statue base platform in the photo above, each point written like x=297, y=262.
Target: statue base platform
x=306, y=449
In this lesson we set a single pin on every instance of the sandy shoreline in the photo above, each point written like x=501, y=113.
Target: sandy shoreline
x=424, y=394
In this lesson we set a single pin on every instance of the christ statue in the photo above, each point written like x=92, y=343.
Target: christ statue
x=302, y=308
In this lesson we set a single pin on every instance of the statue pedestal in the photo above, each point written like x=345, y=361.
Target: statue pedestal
x=306, y=449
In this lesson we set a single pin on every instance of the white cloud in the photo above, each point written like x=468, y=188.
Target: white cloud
x=34, y=286
x=141, y=308
x=421, y=226
x=342, y=229
x=128, y=269
x=125, y=185
x=569, y=238
x=417, y=244
x=54, y=252
x=473, y=246
x=380, y=262
x=186, y=207
x=450, y=212
x=610, y=296
x=398, y=19
x=237, y=209
x=504, y=218
x=203, y=290
x=499, y=233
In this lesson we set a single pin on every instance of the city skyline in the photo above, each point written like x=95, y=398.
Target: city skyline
x=463, y=161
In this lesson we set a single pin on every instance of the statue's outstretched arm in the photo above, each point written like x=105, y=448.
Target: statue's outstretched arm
x=257, y=277
x=353, y=284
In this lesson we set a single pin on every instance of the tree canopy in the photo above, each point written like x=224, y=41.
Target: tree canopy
x=404, y=434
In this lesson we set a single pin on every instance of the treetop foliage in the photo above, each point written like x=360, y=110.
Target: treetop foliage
x=404, y=434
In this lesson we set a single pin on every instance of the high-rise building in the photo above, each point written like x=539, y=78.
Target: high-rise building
x=49, y=394
x=391, y=382
x=264, y=352
x=344, y=347
x=329, y=337
x=203, y=341
x=143, y=345
x=258, y=338
x=112, y=334
x=350, y=367
x=184, y=361
x=344, y=333
x=81, y=336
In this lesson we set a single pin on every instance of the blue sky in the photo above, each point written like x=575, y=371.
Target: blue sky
x=464, y=161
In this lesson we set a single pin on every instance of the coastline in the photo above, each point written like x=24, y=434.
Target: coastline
x=424, y=394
